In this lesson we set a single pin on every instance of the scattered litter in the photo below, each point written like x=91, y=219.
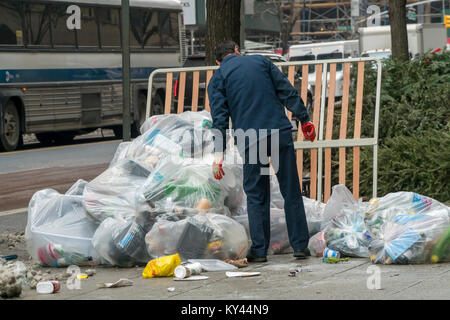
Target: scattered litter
x=171, y=289
x=233, y=274
x=328, y=253
x=191, y=278
x=12, y=279
x=12, y=239
x=187, y=270
x=293, y=273
x=215, y=264
x=10, y=257
x=240, y=263
x=117, y=284
x=162, y=267
x=48, y=287
x=82, y=276
x=335, y=260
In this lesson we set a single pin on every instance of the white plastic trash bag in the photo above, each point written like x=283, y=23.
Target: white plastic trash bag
x=59, y=232
x=202, y=236
x=341, y=198
x=114, y=193
x=408, y=228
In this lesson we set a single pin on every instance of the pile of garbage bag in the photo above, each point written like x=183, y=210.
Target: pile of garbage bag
x=160, y=181
x=158, y=197
x=399, y=228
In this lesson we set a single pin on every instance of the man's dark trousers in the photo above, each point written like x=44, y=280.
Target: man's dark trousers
x=257, y=189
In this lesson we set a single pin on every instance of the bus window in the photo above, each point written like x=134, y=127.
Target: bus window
x=37, y=24
x=87, y=36
x=11, y=33
x=109, y=20
x=169, y=29
x=144, y=29
x=62, y=36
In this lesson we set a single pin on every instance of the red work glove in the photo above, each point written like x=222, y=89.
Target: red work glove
x=217, y=166
x=308, y=131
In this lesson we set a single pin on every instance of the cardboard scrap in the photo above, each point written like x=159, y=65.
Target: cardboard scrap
x=117, y=284
x=233, y=274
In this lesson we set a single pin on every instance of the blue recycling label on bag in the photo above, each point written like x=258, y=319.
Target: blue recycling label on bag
x=403, y=242
x=151, y=137
x=407, y=218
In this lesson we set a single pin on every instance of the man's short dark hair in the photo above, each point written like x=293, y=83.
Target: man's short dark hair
x=223, y=49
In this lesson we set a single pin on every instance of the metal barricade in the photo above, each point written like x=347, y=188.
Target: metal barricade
x=323, y=101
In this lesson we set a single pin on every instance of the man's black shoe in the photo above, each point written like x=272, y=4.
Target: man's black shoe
x=302, y=254
x=253, y=258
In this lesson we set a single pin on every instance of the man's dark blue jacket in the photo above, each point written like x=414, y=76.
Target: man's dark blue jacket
x=252, y=91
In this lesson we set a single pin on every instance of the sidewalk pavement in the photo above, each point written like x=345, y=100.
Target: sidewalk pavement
x=316, y=280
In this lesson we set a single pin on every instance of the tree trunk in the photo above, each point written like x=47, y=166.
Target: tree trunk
x=223, y=23
x=399, y=33
x=287, y=27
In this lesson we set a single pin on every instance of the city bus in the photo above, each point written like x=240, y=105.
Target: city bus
x=61, y=65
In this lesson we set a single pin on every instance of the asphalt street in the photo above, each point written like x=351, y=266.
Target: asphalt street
x=24, y=172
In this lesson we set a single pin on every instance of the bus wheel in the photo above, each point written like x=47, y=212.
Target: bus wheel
x=11, y=136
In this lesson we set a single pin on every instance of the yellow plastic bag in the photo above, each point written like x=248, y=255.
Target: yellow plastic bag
x=161, y=267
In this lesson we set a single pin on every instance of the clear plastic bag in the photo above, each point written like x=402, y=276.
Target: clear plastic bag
x=182, y=185
x=407, y=228
x=77, y=188
x=317, y=243
x=59, y=232
x=343, y=223
x=114, y=193
x=202, y=236
x=314, y=214
x=347, y=234
x=313, y=209
x=163, y=238
x=341, y=198
x=121, y=243
x=279, y=239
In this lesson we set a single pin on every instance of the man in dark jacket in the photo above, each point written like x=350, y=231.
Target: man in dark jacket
x=252, y=91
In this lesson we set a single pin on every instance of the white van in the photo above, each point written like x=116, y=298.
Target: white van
x=325, y=51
